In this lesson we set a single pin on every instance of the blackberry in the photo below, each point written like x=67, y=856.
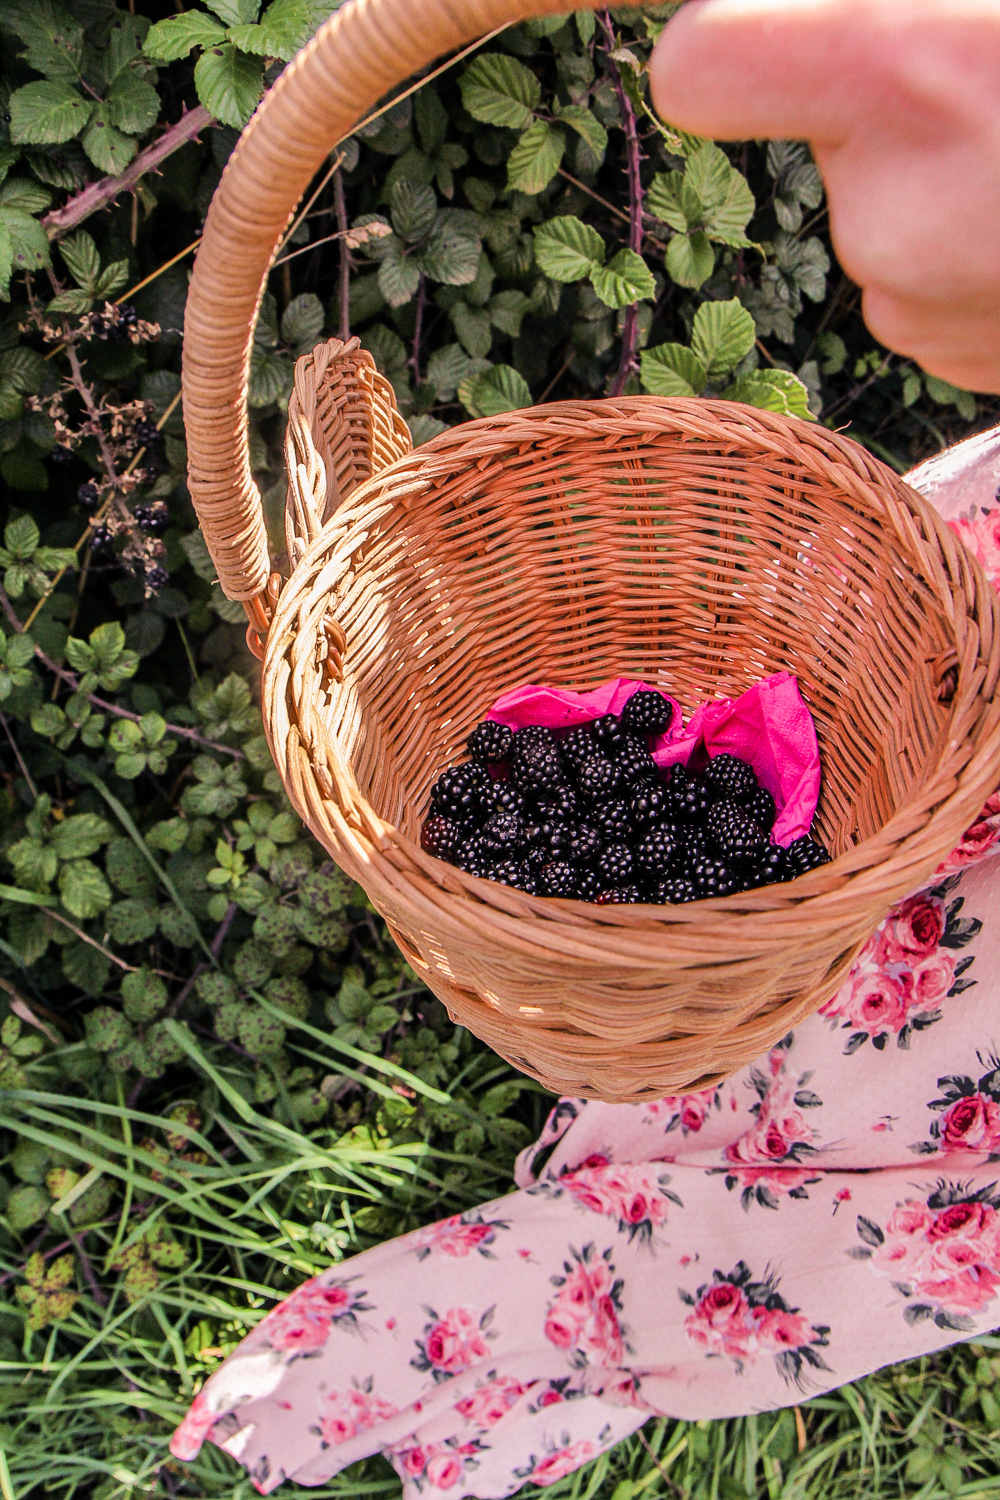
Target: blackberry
x=127, y=314
x=762, y=809
x=153, y=518
x=773, y=867
x=490, y=742
x=585, y=844
x=608, y=734
x=613, y=822
x=157, y=578
x=738, y=838
x=648, y=806
x=660, y=849
x=805, y=854
x=503, y=833
x=674, y=891
x=440, y=837
x=511, y=872
x=534, y=758
x=694, y=845
x=598, y=779
x=711, y=877
x=148, y=434
x=552, y=836
x=504, y=797
x=458, y=793
x=588, y=885
x=474, y=858
x=558, y=879
x=647, y=713
x=729, y=778
x=636, y=764
x=101, y=542
x=619, y=895
x=688, y=799
x=578, y=746
x=615, y=865
x=556, y=802
x=88, y=495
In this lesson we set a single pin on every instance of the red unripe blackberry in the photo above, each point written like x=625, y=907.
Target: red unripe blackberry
x=598, y=780
x=608, y=734
x=440, y=837
x=647, y=713
x=490, y=742
x=660, y=849
x=736, y=836
x=615, y=865
x=761, y=808
x=729, y=778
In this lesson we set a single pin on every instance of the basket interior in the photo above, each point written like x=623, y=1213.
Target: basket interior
x=699, y=566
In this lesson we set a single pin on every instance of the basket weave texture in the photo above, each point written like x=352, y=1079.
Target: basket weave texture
x=700, y=545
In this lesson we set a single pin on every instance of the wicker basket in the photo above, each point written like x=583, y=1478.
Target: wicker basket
x=698, y=544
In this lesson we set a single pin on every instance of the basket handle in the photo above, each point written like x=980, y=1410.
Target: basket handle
x=352, y=62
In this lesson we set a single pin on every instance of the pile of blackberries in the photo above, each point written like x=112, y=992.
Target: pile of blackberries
x=587, y=814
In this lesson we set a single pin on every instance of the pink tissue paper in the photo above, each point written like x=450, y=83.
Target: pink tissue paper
x=769, y=726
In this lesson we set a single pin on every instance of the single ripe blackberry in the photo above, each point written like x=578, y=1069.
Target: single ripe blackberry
x=556, y=802
x=558, y=879
x=712, y=877
x=694, y=845
x=729, y=778
x=474, y=858
x=773, y=868
x=762, y=809
x=585, y=844
x=615, y=864
x=511, y=872
x=148, y=434
x=127, y=314
x=688, y=799
x=534, y=758
x=619, y=895
x=440, y=836
x=157, y=578
x=503, y=833
x=598, y=780
x=101, y=542
x=490, y=742
x=674, y=891
x=458, y=793
x=737, y=837
x=504, y=796
x=578, y=746
x=588, y=885
x=660, y=849
x=648, y=806
x=88, y=494
x=153, y=518
x=805, y=854
x=647, y=713
x=608, y=734
x=552, y=836
x=613, y=821
x=636, y=764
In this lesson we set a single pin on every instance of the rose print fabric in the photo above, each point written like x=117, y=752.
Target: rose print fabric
x=830, y=1209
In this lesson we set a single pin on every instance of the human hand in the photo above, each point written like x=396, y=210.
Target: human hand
x=900, y=101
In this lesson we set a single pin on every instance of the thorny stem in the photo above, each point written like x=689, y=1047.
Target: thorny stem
x=345, y=256
x=87, y=397
x=414, y=359
x=73, y=682
x=633, y=159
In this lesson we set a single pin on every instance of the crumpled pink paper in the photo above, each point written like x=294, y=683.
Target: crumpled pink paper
x=769, y=726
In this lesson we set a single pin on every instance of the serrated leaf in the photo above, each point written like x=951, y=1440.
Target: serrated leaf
x=108, y=148
x=708, y=173
x=132, y=921
x=26, y=196
x=112, y=278
x=672, y=200
x=412, y=209
x=771, y=390
x=450, y=257
x=44, y=114
x=6, y=267
x=83, y=889
x=499, y=90
x=21, y=537
x=29, y=245
x=624, y=280
x=398, y=275
x=125, y=41
x=566, y=249
x=728, y=221
x=430, y=118
x=302, y=321
x=132, y=103
x=23, y=368
x=535, y=159
x=229, y=84
x=53, y=39
x=587, y=126
x=671, y=370
x=497, y=390
x=722, y=334
x=234, y=12
x=690, y=259
x=475, y=332
x=178, y=35
x=448, y=367
x=284, y=27
x=81, y=258
x=271, y=377
x=507, y=310
x=80, y=835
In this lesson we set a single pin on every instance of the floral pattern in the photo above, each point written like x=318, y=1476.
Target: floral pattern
x=462, y=1234
x=439, y=1466
x=491, y=1400
x=765, y=1162
x=735, y=1315
x=584, y=1316
x=558, y=1461
x=636, y=1197
x=343, y=1414
x=970, y=1113
x=301, y=1324
x=684, y=1112
x=453, y=1341
x=905, y=970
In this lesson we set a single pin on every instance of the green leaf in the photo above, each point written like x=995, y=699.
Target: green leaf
x=413, y=209
x=398, y=275
x=507, y=310
x=81, y=258
x=728, y=222
x=283, y=28
x=497, y=390
x=722, y=334
x=29, y=245
x=430, y=118
x=175, y=37
x=475, y=332
x=44, y=114
x=708, y=173
x=80, y=835
x=21, y=537
x=234, y=12
x=271, y=377
x=53, y=38
x=6, y=268
x=690, y=259
x=26, y=196
x=125, y=41
x=132, y=921
x=132, y=104
x=587, y=126
x=499, y=90
x=671, y=370
x=567, y=249
x=772, y=390
x=448, y=367
x=450, y=257
x=229, y=84
x=535, y=158
x=624, y=280
x=302, y=321
x=84, y=891
x=672, y=199
x=108, y=148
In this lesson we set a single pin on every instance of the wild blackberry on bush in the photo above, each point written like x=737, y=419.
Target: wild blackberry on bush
x=598, y=779
x=503, y=833
x=613, y=822
x=615, y=864
x=148, y=434
x=534, y=758
x=660, y=849
x=647, y=713
x=153, y=518
x=558, y=879
x=608, y=734
x=805, y=854
x=457, y=793
x=440, y=837
x=727, y=777
x=61, y=455
x=490, y=742
x=648, y=805
x=761, y=808
x=585, y=844
x=157, y=578
x=738, y=838
x=636, y=764
x=620, y=895
x=578, y=746
x=88, y=494
x=101, y=542
x=675, y=890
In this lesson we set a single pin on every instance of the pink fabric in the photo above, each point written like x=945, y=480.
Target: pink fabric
x=769, y=726
x=831, y=1208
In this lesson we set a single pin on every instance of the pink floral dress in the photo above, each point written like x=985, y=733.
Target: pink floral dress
x=832, y=1208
